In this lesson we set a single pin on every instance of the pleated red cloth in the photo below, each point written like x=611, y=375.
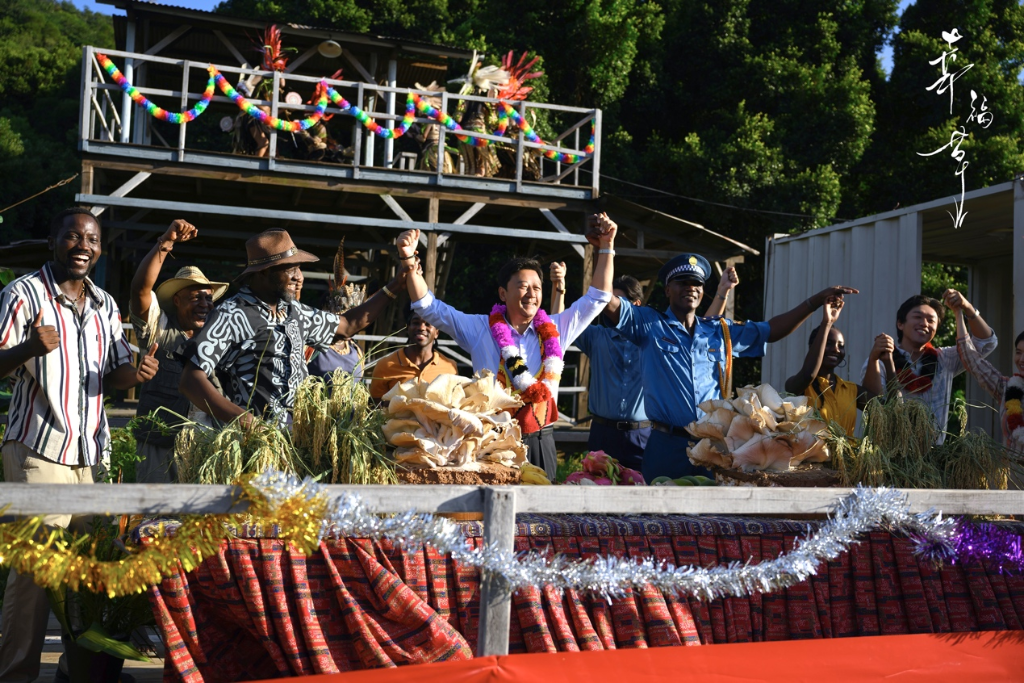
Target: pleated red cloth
x=258, y=610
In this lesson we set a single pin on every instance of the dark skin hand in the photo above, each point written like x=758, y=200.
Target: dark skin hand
x=276, y=284
x=76, y=246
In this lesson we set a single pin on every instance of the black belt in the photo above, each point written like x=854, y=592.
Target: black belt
x=670, y=429
x=543, y=430
x=621, y=425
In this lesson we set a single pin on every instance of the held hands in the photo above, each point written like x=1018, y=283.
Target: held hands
x=831, y=310
x=883, y=348
x=730, y=278
x=407, y=243
x=824, y=295
x=601, y=230
x=556, y=271
x=179, y=231
x=149, y=365
x=958, y=303
x=42, y=339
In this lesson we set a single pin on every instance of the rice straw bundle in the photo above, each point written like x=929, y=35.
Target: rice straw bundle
x=974, y=461
x=899, y=435
x=221, y=456
x=338, y=433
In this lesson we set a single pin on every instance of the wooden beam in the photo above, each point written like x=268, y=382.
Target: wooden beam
x=553, y=219
x=242, y=61
x=33, y=499
x=170, y=38
x=310, y=217
x=495, y=592
x=430, y=262
x=359, y=67
x=582, y=401
x=294, y=64
x=342, y=185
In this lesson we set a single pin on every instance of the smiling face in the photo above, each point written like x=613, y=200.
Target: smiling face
x=920, y=327
x=192, y=305
x=280, y=283
x=835, y=351
x=522, y=295
x=421, y=333
x=1018, y=357
x=76, y=245
x=684, y=294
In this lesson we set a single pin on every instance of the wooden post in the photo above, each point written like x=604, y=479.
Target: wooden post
x=430, y=262
x=582, y=399
x=495, y=593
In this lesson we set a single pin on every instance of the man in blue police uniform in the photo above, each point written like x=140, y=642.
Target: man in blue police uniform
x=684, y=356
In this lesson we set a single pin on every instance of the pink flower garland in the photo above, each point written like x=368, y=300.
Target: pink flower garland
x=515, y=368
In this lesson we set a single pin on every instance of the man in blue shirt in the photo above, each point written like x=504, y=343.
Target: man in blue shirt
x=685, y=358
x=618, y=425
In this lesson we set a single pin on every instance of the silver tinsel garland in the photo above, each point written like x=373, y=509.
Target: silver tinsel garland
x=863, y=510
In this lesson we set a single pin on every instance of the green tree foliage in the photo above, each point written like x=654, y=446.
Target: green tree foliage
x=40, y=74
x=912, y=120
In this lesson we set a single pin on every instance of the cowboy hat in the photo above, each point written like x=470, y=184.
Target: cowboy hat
x=189, y=276
x=272, y=248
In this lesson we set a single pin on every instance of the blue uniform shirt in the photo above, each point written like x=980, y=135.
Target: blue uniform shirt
x=616, y=380
x=680, y=370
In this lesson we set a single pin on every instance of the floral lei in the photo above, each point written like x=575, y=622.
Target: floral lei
x=911, y=381
x=514, y=366
x=1014, y=415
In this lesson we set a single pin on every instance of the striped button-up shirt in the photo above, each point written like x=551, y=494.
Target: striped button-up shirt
x=57, y=406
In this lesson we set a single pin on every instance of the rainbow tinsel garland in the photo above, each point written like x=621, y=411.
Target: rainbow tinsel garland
x=413, y=103
x=153, y=109
x=257, y=113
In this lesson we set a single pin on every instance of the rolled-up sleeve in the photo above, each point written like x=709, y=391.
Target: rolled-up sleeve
x=635, y=322
x=465, y=329
x=14, y=319
x=578, y=317
x=988, y=376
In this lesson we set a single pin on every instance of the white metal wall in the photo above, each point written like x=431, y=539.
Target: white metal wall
x=880, y=258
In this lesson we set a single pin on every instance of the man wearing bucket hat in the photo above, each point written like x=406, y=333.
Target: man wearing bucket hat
x=687, y=360
x=256, y=339
x=170, y=318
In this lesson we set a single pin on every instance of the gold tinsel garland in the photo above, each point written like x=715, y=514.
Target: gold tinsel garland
x=56, y=560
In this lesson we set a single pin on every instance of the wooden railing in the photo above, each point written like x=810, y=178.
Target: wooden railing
x=108, y=115
x=499, y=505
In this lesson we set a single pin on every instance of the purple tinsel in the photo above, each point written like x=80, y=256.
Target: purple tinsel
x=986, y=543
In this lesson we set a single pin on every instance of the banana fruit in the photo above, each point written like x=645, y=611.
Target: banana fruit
x=531, y=475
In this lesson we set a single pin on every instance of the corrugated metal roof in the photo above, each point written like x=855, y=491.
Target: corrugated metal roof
x=383, y=41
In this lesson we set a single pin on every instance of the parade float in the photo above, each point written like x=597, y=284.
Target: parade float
x=296, y=553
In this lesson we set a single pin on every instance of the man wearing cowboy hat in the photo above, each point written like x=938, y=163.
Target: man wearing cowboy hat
x=684, y=357
x=257, y=337
x=170, y=319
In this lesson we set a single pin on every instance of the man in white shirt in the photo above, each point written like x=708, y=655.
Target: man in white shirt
x=515, y=342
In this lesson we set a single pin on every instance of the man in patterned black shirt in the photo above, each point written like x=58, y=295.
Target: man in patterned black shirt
x=256, y=338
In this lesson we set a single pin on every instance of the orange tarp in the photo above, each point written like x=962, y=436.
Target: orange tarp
x=988, y=656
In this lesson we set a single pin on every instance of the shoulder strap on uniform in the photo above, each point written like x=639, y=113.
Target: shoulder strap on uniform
x=725, y=376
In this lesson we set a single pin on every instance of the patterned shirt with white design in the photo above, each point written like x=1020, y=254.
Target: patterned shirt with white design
x=57, y=405
x=260, y=352
x=937, y=397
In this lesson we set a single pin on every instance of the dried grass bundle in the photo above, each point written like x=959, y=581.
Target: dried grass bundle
x=220, y=456
x=338, y=432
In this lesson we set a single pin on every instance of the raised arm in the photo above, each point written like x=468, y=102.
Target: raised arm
x=784, y=324
x=726, y=284
x=882, y=350
x=798, y=383
x=987, y=375
x=141, y=296
x=356, y=319
x=977, y=325
x=556, y=272
x=415, y=283
x=601, y=232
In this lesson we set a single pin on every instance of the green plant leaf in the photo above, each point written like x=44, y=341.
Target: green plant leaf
x=58, y=603
x=98, y=640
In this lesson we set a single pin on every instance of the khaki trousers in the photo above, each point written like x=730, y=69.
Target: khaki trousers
x=26, y=608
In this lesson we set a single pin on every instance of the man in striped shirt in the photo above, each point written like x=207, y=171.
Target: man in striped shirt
x=61, y=340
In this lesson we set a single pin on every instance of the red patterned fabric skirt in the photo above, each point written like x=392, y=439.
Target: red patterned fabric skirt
x=258, y=610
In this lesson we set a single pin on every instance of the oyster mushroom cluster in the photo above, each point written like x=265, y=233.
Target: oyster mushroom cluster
x=454, y=421
x=757, y=430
